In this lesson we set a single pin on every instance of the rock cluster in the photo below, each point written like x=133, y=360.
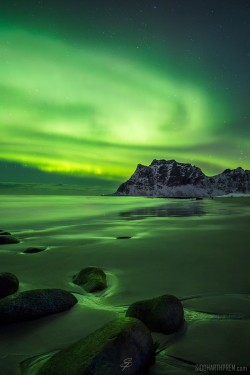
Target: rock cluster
x=106, y=350
x=122, y=344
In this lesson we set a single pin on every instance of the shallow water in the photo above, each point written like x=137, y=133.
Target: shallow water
x=196, y=250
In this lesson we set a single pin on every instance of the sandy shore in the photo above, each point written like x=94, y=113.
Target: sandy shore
x=196, y=250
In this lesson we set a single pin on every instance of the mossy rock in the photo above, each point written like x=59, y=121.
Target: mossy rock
x=120, y=343
x=92, y=279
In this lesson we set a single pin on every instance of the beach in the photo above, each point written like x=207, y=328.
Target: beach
x=197, y=250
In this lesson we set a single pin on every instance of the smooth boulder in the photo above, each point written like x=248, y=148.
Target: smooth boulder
x=3, y=233
x=9, y=284
x=123, y=346
x=35, y=304
x=162, y=314
x=123, y=238
x=5, y=240
x=92, y=279
x=34, y=249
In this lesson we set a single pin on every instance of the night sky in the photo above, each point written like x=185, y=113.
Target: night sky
x=92, y=88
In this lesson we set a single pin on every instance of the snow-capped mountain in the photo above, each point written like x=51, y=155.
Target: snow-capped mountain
x=168, y=178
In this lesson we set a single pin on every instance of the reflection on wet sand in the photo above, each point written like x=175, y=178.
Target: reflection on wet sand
x=166, y=210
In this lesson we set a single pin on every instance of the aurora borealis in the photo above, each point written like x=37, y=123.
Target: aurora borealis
x=92, y=88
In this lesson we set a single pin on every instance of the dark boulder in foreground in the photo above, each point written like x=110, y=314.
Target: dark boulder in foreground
x=161, y=314
x=9, y=284
x=35, y=304
x=123, y=344
x=5, y=240
x=35, y=249
x=92, y=279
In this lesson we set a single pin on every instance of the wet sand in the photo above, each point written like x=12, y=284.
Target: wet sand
x=196, y=250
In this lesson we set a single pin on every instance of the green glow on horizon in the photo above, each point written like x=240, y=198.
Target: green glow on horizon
x=87, y=111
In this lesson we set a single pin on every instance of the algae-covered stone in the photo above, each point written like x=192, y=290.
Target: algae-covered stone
x=92, y=279
x=35, y=304
x=9, y=284
x=161, y=314
x=123, y=346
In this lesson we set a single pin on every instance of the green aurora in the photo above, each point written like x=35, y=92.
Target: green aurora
x=86, y=109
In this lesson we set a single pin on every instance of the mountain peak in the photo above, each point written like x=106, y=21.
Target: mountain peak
x=162, y=161
x=236, y=170
x=171, y=178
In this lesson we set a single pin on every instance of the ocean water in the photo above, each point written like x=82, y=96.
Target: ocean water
x=197, y=250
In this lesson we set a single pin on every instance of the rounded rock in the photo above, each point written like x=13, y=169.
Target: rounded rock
x=34, y=250
x=123, y=238
x=123, y=344
x=3, y=233
x=35, y=304
x=92, y=279
x=9, y=284
x=162, y=314
x=5, y=240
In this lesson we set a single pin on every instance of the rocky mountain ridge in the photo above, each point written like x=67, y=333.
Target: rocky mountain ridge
x=168, y=178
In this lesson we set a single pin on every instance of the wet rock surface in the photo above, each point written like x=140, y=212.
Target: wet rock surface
x=34, y=304
x=4, y=233
x=8, y=239
x=34, y=249
x=123, y=238
x=161, y=314
x=123, y=344
x=92, y=279
x=9, y=284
